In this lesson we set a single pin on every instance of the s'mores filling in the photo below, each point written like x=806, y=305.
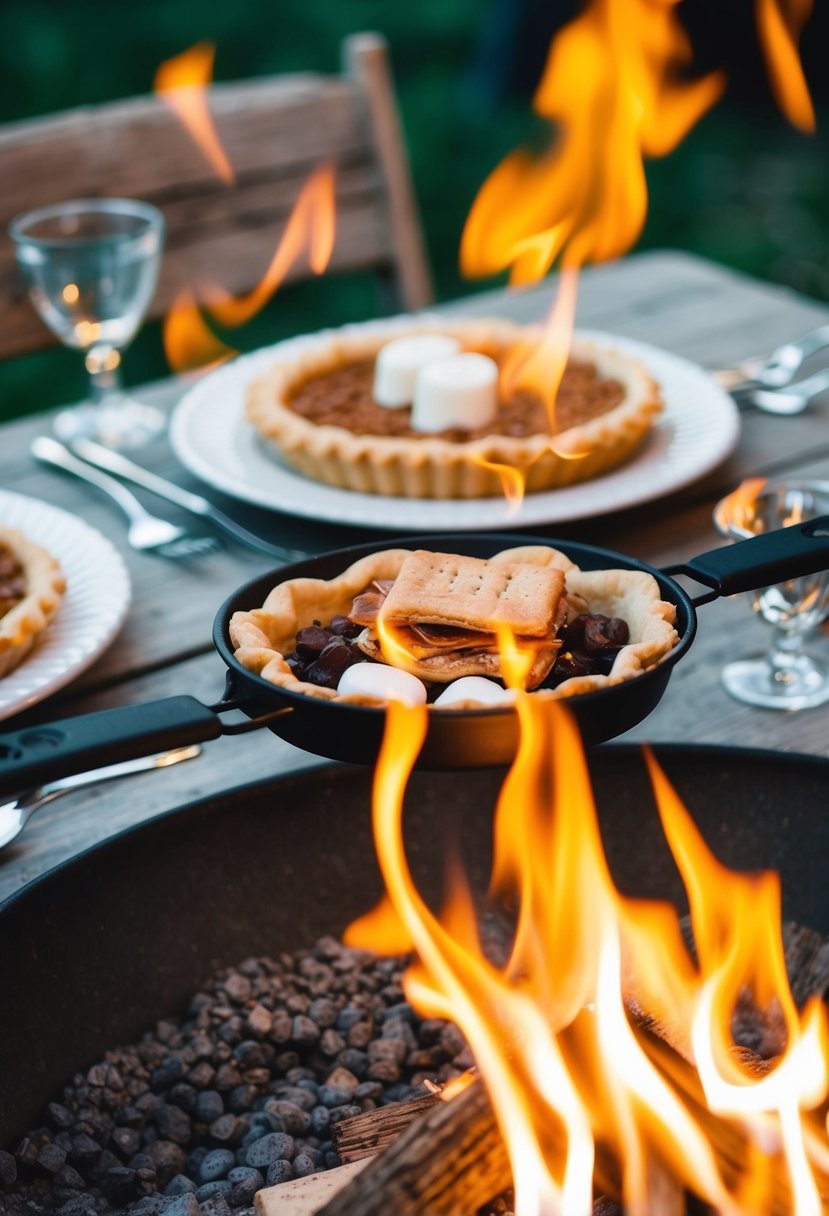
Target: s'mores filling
x=440, y=618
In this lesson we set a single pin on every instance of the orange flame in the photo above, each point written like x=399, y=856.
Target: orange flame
x=574, y=1084
x=182, y=83
x=779, y=23
x=189, y=339
x=312, y=226
x=737, y=512
x=189, y=342
x=611, y=87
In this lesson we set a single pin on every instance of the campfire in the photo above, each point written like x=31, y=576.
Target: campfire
x=621, y=1053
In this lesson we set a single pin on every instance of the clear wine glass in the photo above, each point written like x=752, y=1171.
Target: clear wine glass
x=91, y=268
x=786, y=676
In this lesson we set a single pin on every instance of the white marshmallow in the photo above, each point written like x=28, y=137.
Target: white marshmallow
x=398, y=363
x=474, y=688
x=461, y=391
x=385, y=683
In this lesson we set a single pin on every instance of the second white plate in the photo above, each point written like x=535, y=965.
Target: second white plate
x=697, y=430
x=92, y=610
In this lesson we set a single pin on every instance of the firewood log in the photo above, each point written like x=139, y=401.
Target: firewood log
x=451, y=1160
x=305, y=1196
x=367, y=1134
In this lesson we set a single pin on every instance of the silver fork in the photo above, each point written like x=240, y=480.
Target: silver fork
x=777, y=369
x=119, y=465
x=146, y=533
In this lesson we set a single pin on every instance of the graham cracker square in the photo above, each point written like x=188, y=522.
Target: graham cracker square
x=447, y=589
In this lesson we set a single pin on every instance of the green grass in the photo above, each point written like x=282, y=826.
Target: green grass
x=743, y=189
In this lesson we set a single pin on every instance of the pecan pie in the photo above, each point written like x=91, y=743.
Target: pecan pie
x=319, y=410
x=31, y=588
x=592, y=628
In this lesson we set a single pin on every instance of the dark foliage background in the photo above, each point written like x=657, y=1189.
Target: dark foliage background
x=744, y=188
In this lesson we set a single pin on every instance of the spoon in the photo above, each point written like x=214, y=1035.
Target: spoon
x=15, y=815
x=794, y=399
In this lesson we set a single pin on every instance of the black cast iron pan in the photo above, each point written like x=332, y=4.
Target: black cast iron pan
x=458, y=738
x=95, y=952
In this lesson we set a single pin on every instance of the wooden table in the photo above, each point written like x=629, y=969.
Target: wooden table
x=681, y=303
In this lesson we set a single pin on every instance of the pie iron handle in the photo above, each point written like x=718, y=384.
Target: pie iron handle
x=37, y=754
x=761, y=561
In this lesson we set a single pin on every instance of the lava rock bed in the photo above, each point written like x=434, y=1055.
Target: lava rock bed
x=239, y=1093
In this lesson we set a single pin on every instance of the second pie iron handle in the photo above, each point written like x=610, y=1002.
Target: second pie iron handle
x=761, y=561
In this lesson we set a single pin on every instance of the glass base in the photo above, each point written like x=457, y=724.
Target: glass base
x=118, y=422
x=802, y=684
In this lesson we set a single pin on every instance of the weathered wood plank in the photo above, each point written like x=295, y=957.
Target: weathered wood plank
x=229, y=247
x=292, y=120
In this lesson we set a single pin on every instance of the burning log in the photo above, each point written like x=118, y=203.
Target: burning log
x=446, y=1158
x=368, y=1134
x=451, y=1160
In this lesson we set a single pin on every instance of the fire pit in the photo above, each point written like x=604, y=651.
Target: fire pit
x=124, y=935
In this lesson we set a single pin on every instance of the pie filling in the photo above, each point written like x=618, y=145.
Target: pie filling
x=12, y=580
x=588, y=644
x=343, y=397
x=31, y=588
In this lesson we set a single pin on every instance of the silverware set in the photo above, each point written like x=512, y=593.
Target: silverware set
x=760, y=382
x=107, y=470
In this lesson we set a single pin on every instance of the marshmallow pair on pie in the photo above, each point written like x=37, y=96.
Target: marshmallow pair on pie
x=31, y=589
x=319, y=410
x=442, y=616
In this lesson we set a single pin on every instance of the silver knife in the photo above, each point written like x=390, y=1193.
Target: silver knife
x=121, y=466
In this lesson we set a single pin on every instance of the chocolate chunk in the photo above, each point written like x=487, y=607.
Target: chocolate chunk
x=312, y=640
x=344, y=628
x=332, y=662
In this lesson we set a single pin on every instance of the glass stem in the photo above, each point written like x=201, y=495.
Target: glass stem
x=103, y=364
x=784, y=656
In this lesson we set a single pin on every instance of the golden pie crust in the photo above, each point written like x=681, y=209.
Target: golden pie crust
x=263, y=636
x=433, y=466
x=23, y=625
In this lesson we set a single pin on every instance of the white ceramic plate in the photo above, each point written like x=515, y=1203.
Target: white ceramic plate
x=92, y=610
x=697, y=430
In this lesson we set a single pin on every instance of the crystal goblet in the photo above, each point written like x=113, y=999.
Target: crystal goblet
x=91, y=268
x=786, y=676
